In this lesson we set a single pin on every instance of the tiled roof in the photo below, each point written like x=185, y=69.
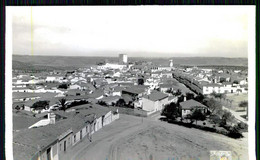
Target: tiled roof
x=134, y=90
x=189, y=104
x=155, y=96
x=27, y=142
x=110, y=98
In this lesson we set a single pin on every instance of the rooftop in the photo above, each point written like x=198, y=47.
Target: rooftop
x=134, y=90
x=156, y=96
x=189, y=104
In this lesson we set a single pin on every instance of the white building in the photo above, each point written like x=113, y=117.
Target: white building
x=111, y=66
x=224, y=88
x=154, y=101
x=122, y=58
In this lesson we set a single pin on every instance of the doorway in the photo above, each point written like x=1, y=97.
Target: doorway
x=49, y=154
x=65, y=146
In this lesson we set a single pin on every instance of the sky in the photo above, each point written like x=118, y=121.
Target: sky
x=138, y=31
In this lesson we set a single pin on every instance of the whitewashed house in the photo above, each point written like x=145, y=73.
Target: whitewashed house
x=154, y=101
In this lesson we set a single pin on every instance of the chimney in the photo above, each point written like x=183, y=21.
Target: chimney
x=51, y=117
x=184, y=98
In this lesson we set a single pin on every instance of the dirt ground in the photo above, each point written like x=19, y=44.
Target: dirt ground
x=134, y=138
x=237, y=99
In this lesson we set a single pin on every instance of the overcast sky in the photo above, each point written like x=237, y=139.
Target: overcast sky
x=138, y=31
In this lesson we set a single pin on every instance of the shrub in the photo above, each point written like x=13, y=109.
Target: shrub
x=17, y=107
x=243, y=126
x=120, y=103
x=215, y=119
x=170, y=111
x=204, y=123
x=102, y=103
x=63, y=86
x=234, y=132
x=76, y=103
x=40, y=105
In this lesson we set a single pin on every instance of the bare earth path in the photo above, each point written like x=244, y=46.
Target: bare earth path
x=131, y=138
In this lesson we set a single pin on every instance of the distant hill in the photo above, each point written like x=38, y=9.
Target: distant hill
x=52, y=62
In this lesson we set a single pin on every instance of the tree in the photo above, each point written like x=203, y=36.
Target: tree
x=200, y=98
x=227, y=117
x=189, y=96
x=235, y=132
x=197, y=115
x=157, y=89
x=180, y=99
x=231, y=101
x=171, y=111
x=213, y=94
x=243, y=104
x=102, y=103
x=63, y=86
x=40, y=105
x=17, y=107
x=223, y=96
x=63, y=104
x=235, y=82
x=220, y=96
x=120, y=102
x=169, y=90
x=140, y=81
x=178, y=92
x=213, y=105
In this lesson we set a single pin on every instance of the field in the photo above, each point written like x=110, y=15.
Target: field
x=62, y=62
x=236, y=99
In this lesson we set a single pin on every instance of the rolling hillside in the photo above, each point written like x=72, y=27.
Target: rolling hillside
x=52, y=62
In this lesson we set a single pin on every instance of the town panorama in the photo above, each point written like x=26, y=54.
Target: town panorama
x=130, y=110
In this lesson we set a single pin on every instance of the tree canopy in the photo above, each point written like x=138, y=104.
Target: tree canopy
x=243, y=104
x=120, y=102
x=200, y=98
x=63, y=86
x=63, y=104
x=197, y=115
x=189, y=95
x=214, y=106
x=140, y=81
x=40, y=105
x=171, y=111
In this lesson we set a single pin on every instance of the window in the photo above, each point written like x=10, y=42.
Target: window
x=60, y=146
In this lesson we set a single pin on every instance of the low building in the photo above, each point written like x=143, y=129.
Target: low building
x=135, y=91
x=53, y=140
x=187, y=107
x=154, y=101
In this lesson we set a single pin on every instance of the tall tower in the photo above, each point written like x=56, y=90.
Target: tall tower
x=171, y=63
x=122, y=58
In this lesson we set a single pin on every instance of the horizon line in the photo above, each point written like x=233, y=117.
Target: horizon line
x=126, y=54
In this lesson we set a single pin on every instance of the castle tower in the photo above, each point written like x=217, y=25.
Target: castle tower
x=122, y=58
